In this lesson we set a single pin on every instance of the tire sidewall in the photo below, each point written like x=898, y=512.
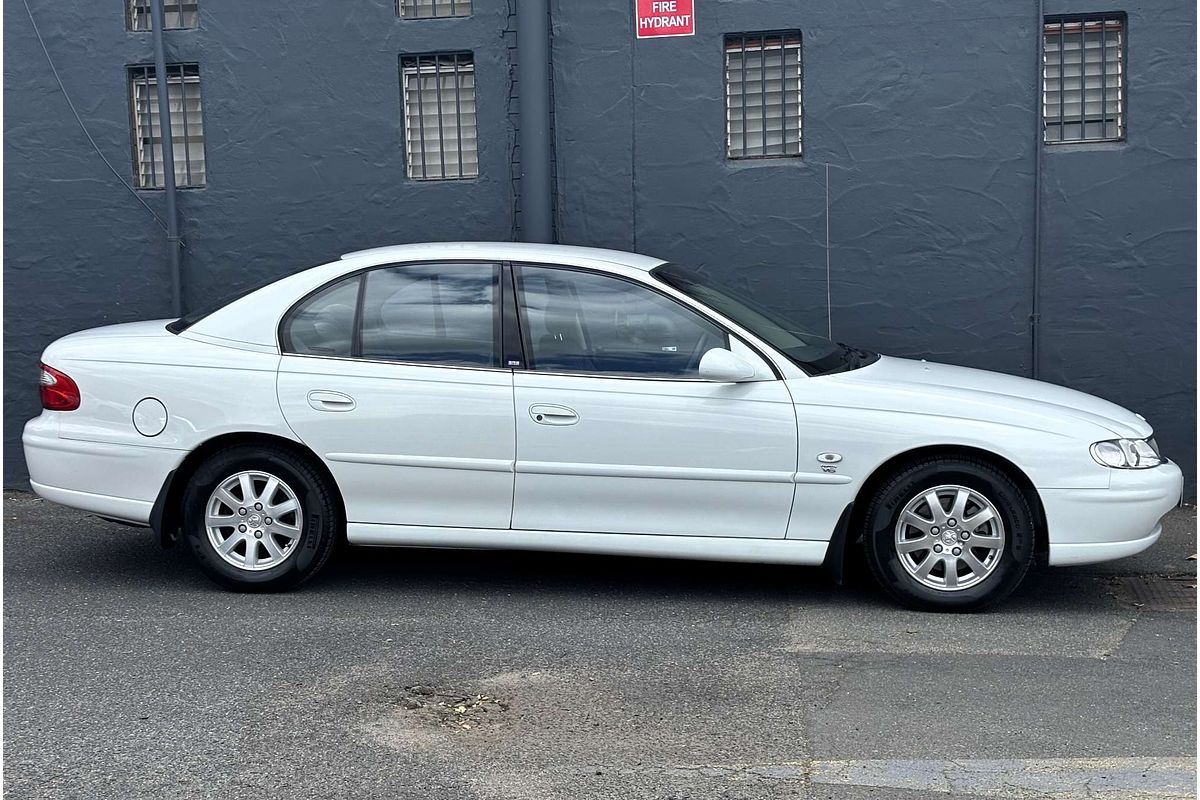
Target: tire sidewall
x=1014, y=512
x=316, y=536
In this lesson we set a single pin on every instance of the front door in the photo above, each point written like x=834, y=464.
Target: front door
x=616, y=433
x=393, y=377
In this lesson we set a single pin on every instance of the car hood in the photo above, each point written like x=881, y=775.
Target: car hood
x=991, y=396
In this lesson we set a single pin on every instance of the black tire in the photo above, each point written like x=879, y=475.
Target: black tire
x=319, y=512
x=883, y=513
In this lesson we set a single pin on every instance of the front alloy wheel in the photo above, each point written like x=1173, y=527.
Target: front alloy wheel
x=948, y=534
x=950, y=538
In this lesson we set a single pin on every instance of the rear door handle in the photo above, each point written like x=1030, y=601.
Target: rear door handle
x=545, y=414
x=325, y=400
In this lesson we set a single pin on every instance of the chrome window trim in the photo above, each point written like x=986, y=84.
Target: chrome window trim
x=352, y=359
x=511, y=370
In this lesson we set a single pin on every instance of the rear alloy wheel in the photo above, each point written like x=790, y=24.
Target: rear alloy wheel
x=949, y=534
x=253, y=520
x=259, y=519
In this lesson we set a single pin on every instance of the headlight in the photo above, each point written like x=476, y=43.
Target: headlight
x=1126, y=453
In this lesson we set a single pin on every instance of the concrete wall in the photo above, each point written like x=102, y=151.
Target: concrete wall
x=1119, y=241
x=919, y=122
x=921, y=119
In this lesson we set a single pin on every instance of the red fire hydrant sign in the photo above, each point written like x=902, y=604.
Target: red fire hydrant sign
x=665, y=18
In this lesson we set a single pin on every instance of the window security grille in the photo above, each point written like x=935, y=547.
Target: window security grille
x=176, y=14
x=431, y=9
x=1083, y=90
x=762, y=94
x=439, y=116
x=187, y=125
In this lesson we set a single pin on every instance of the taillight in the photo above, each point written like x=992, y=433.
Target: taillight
x=59, y=392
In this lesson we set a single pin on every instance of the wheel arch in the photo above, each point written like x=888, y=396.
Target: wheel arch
x=849, y=528
x=166, y=516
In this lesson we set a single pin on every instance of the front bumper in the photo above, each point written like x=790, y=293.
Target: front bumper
x=120, y=481
x=1087, y=526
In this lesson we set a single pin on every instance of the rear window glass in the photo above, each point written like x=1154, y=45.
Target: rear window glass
x=431, y=313
x=436, y=313
x=323, y=325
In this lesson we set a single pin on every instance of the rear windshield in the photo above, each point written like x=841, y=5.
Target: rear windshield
x=192, y=317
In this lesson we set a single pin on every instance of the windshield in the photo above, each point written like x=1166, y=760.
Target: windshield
x=815, y=354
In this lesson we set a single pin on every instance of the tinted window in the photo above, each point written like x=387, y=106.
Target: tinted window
x=584, y=322
x=191, y=318
x=431, y=313
x=815, y=354
x=323, y=325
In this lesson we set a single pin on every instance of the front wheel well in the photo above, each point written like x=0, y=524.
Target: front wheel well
x=852, y=533
x=166, y=516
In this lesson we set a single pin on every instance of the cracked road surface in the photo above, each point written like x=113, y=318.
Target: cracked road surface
x=442, y=674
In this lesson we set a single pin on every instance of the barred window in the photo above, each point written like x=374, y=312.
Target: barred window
x=762, y=94
x=176, y=14
x=431, y=9
x=1083, y=93
x=439, y=116
x=187, y=125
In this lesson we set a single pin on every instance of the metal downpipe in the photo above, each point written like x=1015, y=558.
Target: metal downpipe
x=1035, y=310
x=168, y=153
x=533, y=81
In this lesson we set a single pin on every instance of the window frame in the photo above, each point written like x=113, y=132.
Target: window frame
x=1121, y=117
x=129, y=18
x=527, y=348
x=407, y=124
x=762, y=36
x=360, y=275
x=144, y=74
x=470, y=4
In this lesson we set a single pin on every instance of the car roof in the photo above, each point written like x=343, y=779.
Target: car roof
x=253, y=319
x=506, y=251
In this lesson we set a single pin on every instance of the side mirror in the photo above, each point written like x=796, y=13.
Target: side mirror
x=723, y=366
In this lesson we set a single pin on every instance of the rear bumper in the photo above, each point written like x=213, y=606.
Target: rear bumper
x=113, y=480
x=1087, y=526
x=122, y=508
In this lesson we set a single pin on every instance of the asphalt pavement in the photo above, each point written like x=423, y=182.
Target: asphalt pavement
x=432, y=674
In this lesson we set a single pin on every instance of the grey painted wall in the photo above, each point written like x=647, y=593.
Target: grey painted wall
x=922, y=115
x=925, y=116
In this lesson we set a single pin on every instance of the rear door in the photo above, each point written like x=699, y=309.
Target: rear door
x=394, y=377
x=616, y=433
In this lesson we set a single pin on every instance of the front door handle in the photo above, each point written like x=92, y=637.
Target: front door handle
x=325, y=400
x=545, y=414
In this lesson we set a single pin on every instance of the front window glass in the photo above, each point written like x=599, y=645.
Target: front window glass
x=815, y=354
x=582, y=322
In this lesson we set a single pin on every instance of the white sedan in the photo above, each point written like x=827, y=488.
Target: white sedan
x=498, y=395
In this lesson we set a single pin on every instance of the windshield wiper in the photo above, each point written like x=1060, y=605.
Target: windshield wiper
x=854, y=356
